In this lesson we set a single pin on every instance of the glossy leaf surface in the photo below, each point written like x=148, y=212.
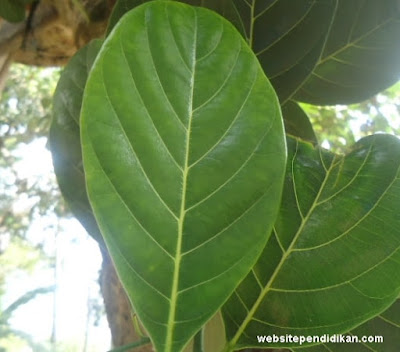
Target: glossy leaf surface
x=362, y=55
x=64, y=136
x=333, y=260
x=386, y=325
x=184, y=172
x=273, y=28
x=297, y=123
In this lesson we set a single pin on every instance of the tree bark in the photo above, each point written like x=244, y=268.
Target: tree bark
x=118, y=308
x=57, y=30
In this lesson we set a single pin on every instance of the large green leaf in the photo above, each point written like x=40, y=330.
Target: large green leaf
x=386, y=325
x=64, y=138
x=184, y=157
x=333, y=260
x=287, y=36
x=362, y=55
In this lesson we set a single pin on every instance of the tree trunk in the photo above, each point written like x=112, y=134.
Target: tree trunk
x=57, y=29
x=118, y=307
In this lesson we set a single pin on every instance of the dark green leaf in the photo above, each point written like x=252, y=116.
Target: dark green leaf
x=386, y=325
x=184, y=172
x=362, y=55
x=223, y=7
x=121, y=8
x=12, y=10
x=287, y=36
x=297, y=122
x=333, y=260
x=65, y=136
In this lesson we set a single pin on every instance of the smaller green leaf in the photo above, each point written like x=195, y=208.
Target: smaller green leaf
x=297, y=122
x=64, y=138
x=12, y=10
x=386, y=325
x=333, y=260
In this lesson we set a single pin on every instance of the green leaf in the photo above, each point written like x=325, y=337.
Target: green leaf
x=297, y=122
x=223, y=7
x=273, y=29
x=287, y=36
x=386, y=325
x=362, y=55
x=184, y=172
x=333, y=260
x=121, y=8
x=64, y=136
x=12, y=10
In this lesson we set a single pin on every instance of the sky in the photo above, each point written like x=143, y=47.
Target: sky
x=78, y=265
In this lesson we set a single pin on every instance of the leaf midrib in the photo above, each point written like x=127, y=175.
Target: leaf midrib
x=178, y=253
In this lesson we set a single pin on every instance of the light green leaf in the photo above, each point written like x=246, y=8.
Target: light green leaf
x=333, y=260
x=362, y=55
x=297, y=123
x=64, y=137
x=184, y=159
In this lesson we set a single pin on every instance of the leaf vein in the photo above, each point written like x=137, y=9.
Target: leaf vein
x=213, y=237
x=135, y=154
x=233, y=175
x=147, y=110
x=301, y=19
x=229, y=127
